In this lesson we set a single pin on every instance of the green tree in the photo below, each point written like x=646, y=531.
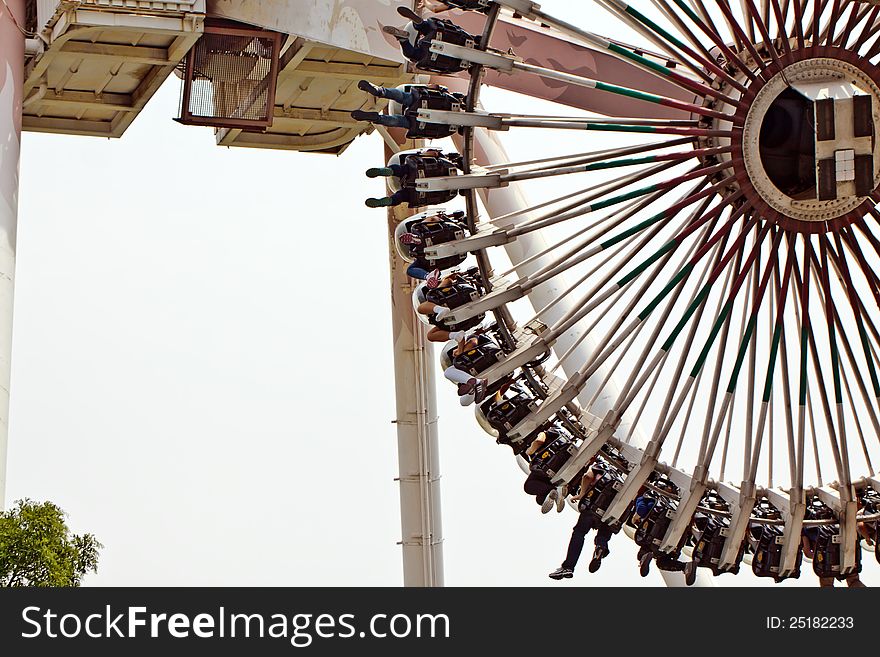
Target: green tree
x=38, y=549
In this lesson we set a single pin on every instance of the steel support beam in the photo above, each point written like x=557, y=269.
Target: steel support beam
x=11, y=84
x=418, y=447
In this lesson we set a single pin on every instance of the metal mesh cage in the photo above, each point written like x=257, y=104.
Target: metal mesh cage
x=230, y=79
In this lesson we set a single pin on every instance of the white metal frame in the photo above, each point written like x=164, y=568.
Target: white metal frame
x=12, y=46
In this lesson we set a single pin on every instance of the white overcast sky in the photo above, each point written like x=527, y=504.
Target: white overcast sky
x=202, y=371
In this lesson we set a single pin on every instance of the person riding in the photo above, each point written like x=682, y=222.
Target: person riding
x=435, y=312
x=412, y=245
x=587, y=520
x=416, y=37
x=410, y=98
x=470, y=388
x=645, y=502
x=407, y=167
x=538, y=483
x=809, y=542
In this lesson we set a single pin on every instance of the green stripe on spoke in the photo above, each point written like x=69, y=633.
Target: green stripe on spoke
x=802, y=399
x=741, y=356
x=691, y=14
x=835, y=363
x=614, y=200
x=613, y=47
x=654, y=27
x=619, y=127
x=866, y=345
x=635, y=273
x=629, y=232
x=613, y=164
x=691, y=309
x=716, y=329
x=666, y=290
x=626, y=91
x=771, y=365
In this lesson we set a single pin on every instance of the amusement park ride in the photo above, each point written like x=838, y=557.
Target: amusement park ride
x=717, y=351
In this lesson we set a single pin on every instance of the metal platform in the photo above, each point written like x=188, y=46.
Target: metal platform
x=316, y=91
x=98, y=62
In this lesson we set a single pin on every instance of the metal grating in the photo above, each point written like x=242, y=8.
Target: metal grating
x=230, y=79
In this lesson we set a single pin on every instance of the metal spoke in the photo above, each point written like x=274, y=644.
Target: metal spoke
x=712, y=304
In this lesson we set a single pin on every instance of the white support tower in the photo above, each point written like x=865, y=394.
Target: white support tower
x=12, y=40
x=418, y=450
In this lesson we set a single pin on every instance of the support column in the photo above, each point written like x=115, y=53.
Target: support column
x=12, y=13
x=417, y=444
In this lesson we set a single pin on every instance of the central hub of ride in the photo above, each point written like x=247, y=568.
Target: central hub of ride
x=808, y=153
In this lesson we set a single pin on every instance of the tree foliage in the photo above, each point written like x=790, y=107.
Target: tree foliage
x=38, y=549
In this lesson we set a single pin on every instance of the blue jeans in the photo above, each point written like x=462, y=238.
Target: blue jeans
x=393, y=121
x=405, y=98
x=414, y=271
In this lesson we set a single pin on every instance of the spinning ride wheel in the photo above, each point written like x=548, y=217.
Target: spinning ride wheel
x=721, y=265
